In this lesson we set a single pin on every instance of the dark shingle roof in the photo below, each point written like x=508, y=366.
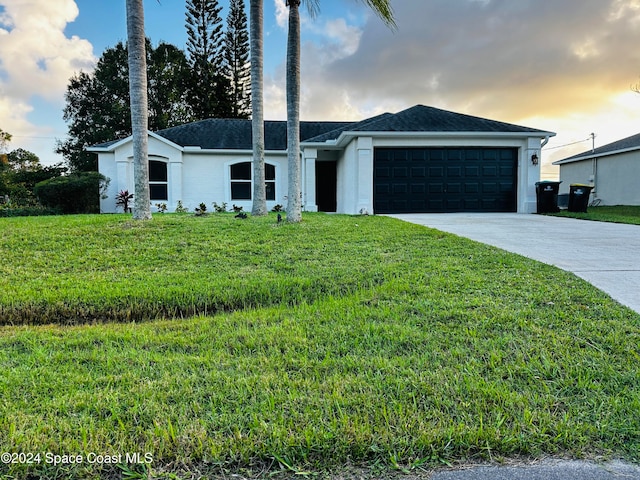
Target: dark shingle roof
x=629, y=143
x=229, y=134
x=429, y=119
x=234, y=134
x=349, y=127
x=426, y=119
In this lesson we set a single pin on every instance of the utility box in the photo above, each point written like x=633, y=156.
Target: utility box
x=547, y=196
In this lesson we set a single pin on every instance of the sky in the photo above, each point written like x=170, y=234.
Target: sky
x=566, y=66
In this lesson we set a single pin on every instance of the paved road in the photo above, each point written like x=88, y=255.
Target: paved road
x=606, y=255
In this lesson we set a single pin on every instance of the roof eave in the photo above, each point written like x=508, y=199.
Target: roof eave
x=347, y=136
x=128, y=139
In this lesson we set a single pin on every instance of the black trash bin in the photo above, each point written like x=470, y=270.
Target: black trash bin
x=579, y=197
x=547, y=196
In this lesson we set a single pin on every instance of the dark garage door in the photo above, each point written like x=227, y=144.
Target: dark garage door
x=414, y=180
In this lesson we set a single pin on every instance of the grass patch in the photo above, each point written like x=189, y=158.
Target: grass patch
x=614, y=214
x=408, y=347
x=85, y=268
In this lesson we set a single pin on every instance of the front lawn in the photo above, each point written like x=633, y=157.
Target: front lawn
x=615, y=214
x=342, y=340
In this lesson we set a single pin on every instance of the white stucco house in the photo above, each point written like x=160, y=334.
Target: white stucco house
x=422, y=159
x=613, y=170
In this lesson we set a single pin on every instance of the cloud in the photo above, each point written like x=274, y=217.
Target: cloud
x=495, y=58
x=36, y=59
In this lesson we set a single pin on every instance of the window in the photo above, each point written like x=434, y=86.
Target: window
x=158, y=186
x=242, y=185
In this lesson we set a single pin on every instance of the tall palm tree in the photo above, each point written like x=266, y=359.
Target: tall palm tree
x=139, y=109
x=294, y=202
x=257, y=114
x=382, y=8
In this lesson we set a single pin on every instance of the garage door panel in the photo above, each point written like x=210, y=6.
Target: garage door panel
x=454, y=188
x=472, y=171
x=435, y=188
x=436, y=172
x=383, y=172
x=444, y=179
x=489, y=171
x=400, y=189
x=400, y=172
x=418, y=188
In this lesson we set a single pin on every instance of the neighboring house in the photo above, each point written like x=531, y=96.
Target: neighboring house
x=422, y=159
x=613, y=170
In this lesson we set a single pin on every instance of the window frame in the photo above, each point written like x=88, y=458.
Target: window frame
x=161, y=183
x=270, y=180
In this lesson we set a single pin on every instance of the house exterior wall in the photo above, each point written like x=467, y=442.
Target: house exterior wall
x=615, y=177
x=199, y=176
x=193, y=176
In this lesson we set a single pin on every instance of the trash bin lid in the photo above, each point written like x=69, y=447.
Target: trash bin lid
x=581, y=185
x=549, y=182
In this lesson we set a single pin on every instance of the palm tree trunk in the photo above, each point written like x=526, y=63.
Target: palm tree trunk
x=257, y=113
x=294, y=202
x=139, y=109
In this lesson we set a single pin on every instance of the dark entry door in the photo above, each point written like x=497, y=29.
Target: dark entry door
x=414, y=180
x=326, y=185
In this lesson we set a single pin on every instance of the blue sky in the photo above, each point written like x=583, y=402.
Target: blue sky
x=558, y=65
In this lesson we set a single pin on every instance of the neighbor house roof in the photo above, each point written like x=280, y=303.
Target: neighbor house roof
x=620, y=146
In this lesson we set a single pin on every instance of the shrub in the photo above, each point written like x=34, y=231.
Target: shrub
x=220, y=208
x=201, y=209
x=181, y=208
x=75, y=193
x=122, y=200
x=7, y=210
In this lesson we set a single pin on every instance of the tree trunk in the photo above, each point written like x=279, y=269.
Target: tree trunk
x=257, y=114
x=139, y=110
x=294, y=200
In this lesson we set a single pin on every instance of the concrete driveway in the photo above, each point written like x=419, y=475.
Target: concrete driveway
x=606, y=255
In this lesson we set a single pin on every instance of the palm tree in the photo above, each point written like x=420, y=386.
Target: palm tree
x=382, y=8
x=257, y=114
x=139, y=109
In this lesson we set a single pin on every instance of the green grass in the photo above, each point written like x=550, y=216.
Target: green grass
x=615, y=214
x=402, y=347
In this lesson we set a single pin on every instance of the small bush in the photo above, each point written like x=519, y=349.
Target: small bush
x=201, y=209
x=26, y=211
x=75, y=193
x=180, y=208
x=221, y=208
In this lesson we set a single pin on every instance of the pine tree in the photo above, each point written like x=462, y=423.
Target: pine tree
x=208, y=90
x=236, y=60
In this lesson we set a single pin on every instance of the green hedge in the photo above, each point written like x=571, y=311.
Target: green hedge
x=75, y=193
